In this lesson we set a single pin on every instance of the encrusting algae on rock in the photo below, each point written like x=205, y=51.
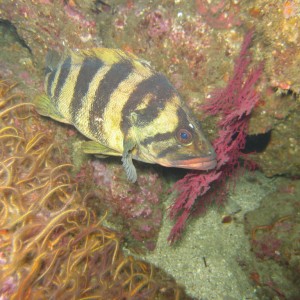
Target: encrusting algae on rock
x=52, y=245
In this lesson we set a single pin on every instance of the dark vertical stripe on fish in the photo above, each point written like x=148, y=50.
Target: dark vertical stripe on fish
x=161, y=91
x=88, y=70
x=50, y=82
x=62, y=78
x=107, y=86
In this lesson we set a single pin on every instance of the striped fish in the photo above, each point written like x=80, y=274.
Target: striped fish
x=125, y=108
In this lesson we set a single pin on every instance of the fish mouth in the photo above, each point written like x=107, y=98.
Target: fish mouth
x=199, y=163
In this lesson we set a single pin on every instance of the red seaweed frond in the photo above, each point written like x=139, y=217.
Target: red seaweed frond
x=234, y=103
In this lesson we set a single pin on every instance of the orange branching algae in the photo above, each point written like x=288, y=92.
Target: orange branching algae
x=52, y=245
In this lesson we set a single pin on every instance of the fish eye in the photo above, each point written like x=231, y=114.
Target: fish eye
x=184, y=136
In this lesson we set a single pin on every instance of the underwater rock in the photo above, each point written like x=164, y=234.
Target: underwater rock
x=193, y=43
x=273, y=230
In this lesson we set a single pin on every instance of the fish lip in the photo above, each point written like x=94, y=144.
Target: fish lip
x=199, y=163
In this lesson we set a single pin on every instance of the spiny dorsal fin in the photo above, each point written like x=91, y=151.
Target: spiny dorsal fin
x=112, y=56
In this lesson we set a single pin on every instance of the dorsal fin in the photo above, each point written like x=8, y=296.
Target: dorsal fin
x=110, y=56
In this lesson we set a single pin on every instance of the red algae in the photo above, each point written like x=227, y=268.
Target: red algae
x=234, y=103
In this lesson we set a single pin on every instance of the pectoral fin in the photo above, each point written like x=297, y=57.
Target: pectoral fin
x=127, y=161
x=92, y=147
x=44, y=107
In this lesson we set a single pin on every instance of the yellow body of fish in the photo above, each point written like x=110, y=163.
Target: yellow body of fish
x=126, y=109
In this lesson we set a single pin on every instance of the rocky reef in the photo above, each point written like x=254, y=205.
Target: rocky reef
x=193, y=43
x=65, y=208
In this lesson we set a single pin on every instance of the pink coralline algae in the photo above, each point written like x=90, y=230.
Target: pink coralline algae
x=77, y=16
x=137, y=206
x=7, y=288
x=234, y=104
x=158, y=24
x=222, y=15
x=267, y=248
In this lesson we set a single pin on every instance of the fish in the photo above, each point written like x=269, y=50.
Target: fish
x=125, y=108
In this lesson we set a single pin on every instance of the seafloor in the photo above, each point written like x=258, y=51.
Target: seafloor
x=214, y=260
